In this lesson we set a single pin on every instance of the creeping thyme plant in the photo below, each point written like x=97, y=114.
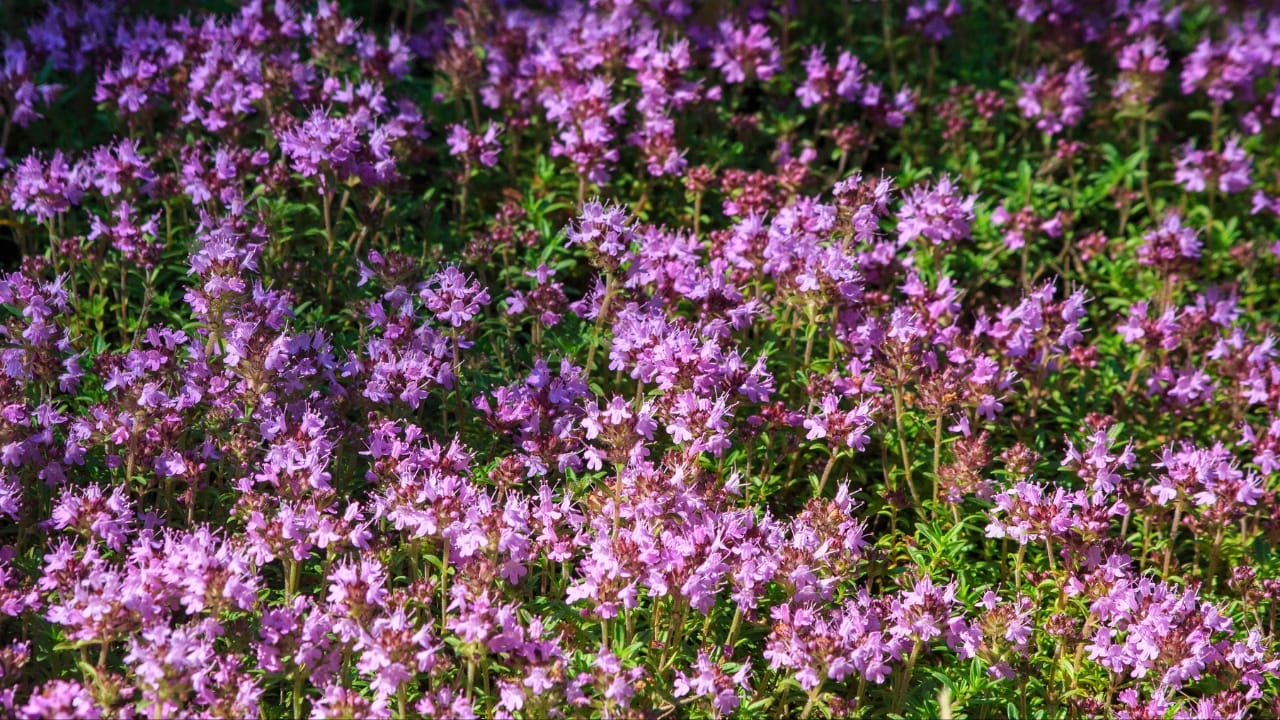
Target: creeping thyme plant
x=640, y=358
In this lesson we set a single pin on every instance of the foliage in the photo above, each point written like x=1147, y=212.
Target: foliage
x=640, y=359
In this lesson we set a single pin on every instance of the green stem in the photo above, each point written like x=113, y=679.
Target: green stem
x=937, y=453
x=444, y=583
x=886, y=30
x=297, y=694
x=733, y=628
x=599, y=324
x=902, y=444
x=1214, y=554
x=900, y=691
x=1017, y=567
x=826, y=472
x=813, y=696
x=325, y=207
x=1173, y=535
x=291, y=582
x=1146, y=173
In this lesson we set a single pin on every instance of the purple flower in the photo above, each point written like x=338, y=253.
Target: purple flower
x=847, y=80
x=606, y=231
x=454, y=298
x=712, y=680
x=48, y=190
x=137, y=81
x=1142, y=64
x=585, y=114
x=93, y=512
x=1056, y=101
x=1149, y=628
x=337, y=701
x=849, y=427
x=18, y=86
x=473, y=148
x=120, y=168
x=138, y=241
x=1170, y=245
x=744, y=55
x=1228, y=169
x=61, y=699
x=938, y=212
x=932, y=18
x=324, y=147
x=1227, y=68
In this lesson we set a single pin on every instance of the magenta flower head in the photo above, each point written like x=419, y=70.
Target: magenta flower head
x=475, y=149
x=848, y=80
x=47, y=190
x=1227, y=68
x=1142, y=64
x=1170, y=245
x=586, y=117
x=454, y=298
x=19, y=90
x=121, y=168
x=745, y=55
x=712, y=680
x=1056, y=101
x=323, y=147
x=932, y=18
x=939, y=212
x=606, y=231
x=61, y=699
x=34, y=342
x=1228, y=170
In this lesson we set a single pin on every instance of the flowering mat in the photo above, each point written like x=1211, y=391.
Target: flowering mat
x=639, y=359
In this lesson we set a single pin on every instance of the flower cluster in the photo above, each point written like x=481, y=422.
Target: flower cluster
x=1056, y=100
x=614, y=359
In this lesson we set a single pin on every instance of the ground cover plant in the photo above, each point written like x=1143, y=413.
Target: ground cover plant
x=640, y=359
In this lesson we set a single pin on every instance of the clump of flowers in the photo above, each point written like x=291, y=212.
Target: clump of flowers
x=1226, y=170
x=1056, y=100
x=613, y=359
x=1170, y=245
x=940, y=213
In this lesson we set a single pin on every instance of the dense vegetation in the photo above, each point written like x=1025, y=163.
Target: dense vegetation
x=640, y=359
